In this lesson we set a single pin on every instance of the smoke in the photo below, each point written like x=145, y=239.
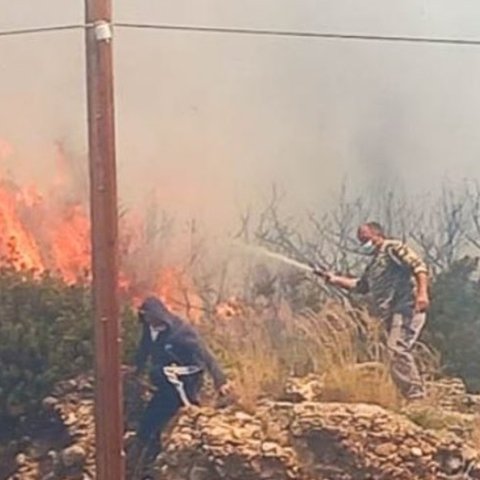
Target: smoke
x=210, y=122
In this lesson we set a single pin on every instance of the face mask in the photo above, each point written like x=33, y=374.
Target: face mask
x=368, y=248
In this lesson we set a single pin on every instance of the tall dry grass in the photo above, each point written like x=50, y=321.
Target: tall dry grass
x=262, y=348
x=354, y=357
x=476, y=432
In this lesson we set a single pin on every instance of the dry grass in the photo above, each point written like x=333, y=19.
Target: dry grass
x=263, y=348
x=349, y=384
x=430, y=417
x=353, y=357
x=247, y=345
x=476, y=432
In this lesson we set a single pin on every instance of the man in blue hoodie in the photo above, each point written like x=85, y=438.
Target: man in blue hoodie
x=167, y=341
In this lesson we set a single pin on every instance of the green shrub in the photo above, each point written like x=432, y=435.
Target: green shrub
x=46, y=334
x=454, y=321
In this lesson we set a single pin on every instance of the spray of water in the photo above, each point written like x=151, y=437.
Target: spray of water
x=277, y=256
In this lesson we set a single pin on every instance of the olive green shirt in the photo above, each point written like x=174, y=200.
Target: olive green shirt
x=390, y=279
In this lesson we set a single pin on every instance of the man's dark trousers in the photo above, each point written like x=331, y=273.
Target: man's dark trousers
x=162, y=408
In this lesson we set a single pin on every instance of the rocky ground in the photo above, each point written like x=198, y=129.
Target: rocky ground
x=70, y=455
x=299, y=437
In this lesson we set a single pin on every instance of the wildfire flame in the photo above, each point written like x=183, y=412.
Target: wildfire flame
x=70, y=243
x=17, y=242
x=51, y=232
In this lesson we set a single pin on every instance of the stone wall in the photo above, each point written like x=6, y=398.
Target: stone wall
x=298, y=437
x=310, y=441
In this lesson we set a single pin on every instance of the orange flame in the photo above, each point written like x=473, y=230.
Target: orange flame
x=17, y=242
x=52, y=233
x=71, y=243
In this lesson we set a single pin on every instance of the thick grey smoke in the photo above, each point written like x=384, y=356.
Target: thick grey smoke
x=211, y=121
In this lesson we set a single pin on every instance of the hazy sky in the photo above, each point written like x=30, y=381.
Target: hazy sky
x=213, y=120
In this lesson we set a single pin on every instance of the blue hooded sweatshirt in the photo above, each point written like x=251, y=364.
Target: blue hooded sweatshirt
x=179, y=344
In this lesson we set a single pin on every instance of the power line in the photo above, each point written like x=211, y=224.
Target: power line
x=260, y=32
x=27, y=31
x=300, y=34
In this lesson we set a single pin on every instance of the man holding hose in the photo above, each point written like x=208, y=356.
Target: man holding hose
x=397, y=280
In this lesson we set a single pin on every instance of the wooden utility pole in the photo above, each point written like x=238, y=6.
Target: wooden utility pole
x=104, y=225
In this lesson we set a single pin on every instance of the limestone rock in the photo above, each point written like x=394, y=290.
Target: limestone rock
x=325, y=441
x=307, y=389
x=73, y=457
x=297, y=437
x=49, y=403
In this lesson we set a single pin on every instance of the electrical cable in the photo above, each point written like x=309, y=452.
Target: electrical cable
x=28, y=31
x=300, y=34
x=258, y=32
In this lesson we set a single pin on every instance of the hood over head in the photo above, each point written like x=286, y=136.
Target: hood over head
x=154, y=307
x=177, y=329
